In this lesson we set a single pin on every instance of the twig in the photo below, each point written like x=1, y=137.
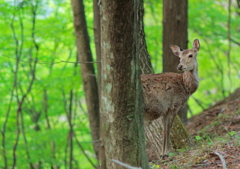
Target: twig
x=125, y=165
x=83, y=151
x=70, y=137
x=219, y=67
x=17, y=54
x=198, y=102
x=81, y=62
x=222, y=159
x=46, y=63
x=94, y=141
x=234, y=41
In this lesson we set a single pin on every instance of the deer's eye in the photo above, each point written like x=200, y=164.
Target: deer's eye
x=190, y=56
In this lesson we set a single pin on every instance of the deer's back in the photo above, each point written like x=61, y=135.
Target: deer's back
x=162, y=93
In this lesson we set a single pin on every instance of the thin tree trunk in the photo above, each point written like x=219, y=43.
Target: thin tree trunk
x=45, y=109
x=70, y=134
x=19, y=123
x=87, y=70
x=4, y=127
x=97, y=40
x=174, y=31
x=25, y=141
x=121, y=108
x=18, y=56
x=83, y=151
x=175, y=24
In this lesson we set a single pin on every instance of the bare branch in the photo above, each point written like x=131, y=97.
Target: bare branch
x=46, y=63
x=125, y=165
x=222, y=159
x=24, y=95
x=198, y=102
x=81, y=62
x=234, y=41
x=17, y=54
x=219, y=68
x=83, y=151
x=70, y=136
x=25, y=141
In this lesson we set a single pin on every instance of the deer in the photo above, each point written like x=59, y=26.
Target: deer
x=165, y=93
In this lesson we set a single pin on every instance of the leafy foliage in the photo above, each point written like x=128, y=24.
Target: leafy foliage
x=38, y=73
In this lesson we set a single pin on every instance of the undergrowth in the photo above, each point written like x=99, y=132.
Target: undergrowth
x=206, y=152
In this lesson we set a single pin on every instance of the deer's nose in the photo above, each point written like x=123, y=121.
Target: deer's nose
x=179, y=67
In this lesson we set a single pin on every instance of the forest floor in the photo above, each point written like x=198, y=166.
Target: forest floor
x=216, y=132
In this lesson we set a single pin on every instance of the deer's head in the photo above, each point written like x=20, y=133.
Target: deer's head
x=187, y=57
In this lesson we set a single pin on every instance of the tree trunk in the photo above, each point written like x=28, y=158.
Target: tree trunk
x=121, y=106
x=87, y=70
x=179, y=136
x=175, y=25
x=97, y=40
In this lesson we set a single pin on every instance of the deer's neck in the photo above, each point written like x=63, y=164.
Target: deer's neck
x=190, y=79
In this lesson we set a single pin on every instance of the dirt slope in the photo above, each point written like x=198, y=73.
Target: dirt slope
x=217, y=130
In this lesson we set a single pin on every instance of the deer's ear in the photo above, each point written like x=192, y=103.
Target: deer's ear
x=176, y=50
x=196, y=44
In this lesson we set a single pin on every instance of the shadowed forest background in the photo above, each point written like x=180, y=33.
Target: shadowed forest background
x=43, y=113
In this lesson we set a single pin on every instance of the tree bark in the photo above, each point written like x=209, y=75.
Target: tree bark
x=87, y=70
x=97, y=41
x=175, y=24
x=121, y=108
x=179, y=136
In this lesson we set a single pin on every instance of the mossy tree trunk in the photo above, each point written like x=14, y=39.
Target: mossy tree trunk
x=121, y=108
